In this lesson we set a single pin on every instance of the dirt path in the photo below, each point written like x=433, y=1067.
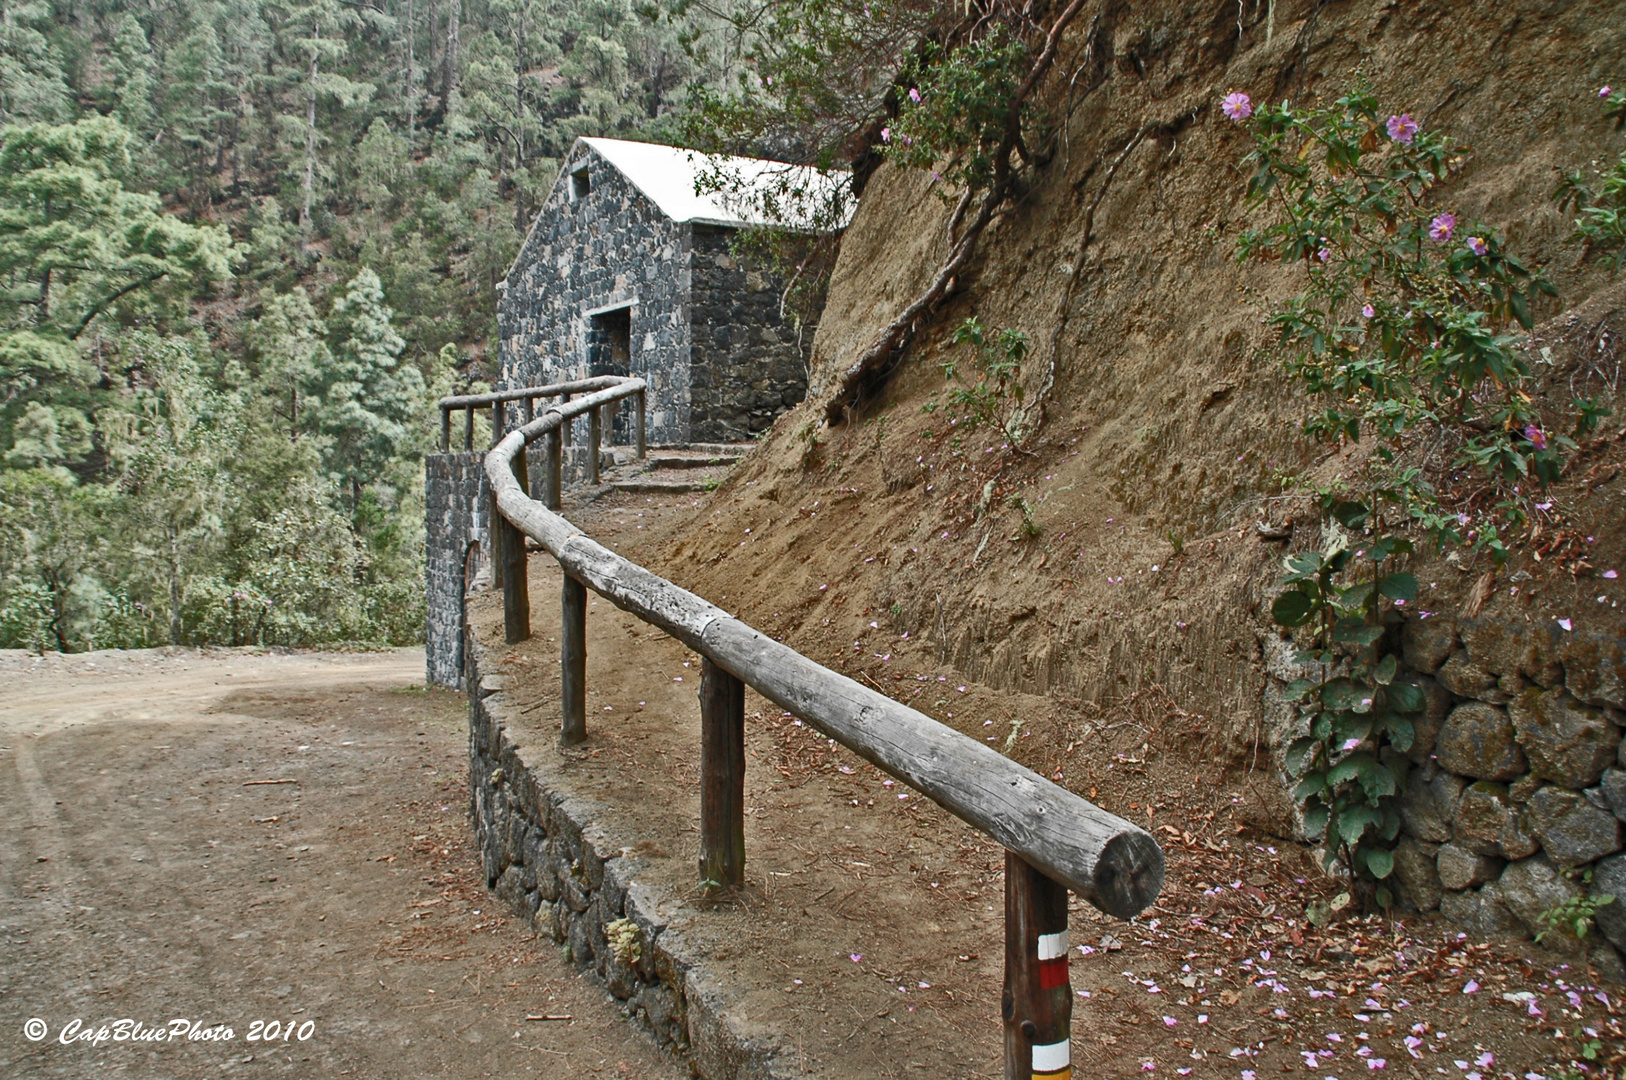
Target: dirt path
x=148, y=874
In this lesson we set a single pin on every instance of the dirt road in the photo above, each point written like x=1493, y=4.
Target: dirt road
x=274, y=844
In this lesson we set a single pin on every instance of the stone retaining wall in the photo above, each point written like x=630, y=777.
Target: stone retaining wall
x=547, y=860
x=1516, y=790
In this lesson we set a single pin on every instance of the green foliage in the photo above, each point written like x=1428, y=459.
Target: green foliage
x=1405, y=327
x=1359, y=716
x=1574, y=917
x=952, y=117
x=1600, y=203
x=1406, y=322
x=996, y=397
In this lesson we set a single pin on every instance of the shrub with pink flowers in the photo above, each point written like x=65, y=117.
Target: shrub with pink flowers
x=1407, y=321
x=1404, y=332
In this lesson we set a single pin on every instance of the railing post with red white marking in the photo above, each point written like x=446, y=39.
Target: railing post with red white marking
x=1038, y=1002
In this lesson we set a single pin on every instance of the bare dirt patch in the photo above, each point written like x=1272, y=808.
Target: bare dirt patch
x=149, y=874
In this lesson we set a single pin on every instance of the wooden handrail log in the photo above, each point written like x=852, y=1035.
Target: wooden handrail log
x=524, y=393
x=1112, y=863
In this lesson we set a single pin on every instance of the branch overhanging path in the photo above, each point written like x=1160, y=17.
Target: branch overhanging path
x=860, y=381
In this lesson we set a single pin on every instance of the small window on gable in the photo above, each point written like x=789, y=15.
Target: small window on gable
x=580, y=184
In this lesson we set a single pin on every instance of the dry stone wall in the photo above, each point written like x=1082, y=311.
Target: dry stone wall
x=1515, y=798
x=551, y=865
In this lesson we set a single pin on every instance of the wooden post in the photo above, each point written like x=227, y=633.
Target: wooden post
x=530, y=410
x=594, y=434
x=496, y=422
x=1038, y=1001
x=497, y=532
x=640, y=425
x=573, y=662
x=468, y=428
x=555, y=478
x=722, y=778
x=516, y=592
x=445, y=429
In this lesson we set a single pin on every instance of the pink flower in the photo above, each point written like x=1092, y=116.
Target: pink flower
x=1440, y=229
x=1610, y=575
x=1477, y=245
x=1367, y=311
x=1237, y=106
x=1402, y=128
x=1603, y=91
x=886, y=134
x=1324, y=254
x=1350, y=744
x=1537, y=437
x=914, y=95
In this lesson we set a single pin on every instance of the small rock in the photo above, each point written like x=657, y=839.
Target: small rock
x=1534, y=885
x=1415, y=870
x=1425, y=643
x=1572, y=831
x=1478, y=740
x=1595, y=668
x=1466, y=679
x=1524, y=787
x=1565, y=741
x=1609, y=879
x=1483, y=914
x=1459, y=868
x=1482, y=816
x=1518, y=838
x=1606, y=963
x=1429, y=805
x=1613, y=786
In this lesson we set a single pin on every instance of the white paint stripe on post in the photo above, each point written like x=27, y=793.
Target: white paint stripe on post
x=1053, y=1057
x=1052, y=946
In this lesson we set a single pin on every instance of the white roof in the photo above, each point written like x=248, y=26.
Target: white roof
x=667, y=175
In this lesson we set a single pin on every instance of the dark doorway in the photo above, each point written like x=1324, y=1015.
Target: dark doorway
x=609, y=352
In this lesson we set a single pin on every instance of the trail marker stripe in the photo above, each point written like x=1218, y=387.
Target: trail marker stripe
x=1053, y=1060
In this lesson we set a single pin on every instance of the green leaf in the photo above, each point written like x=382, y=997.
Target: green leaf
x=1302, y=565
x=1356, y=632
x=1380, y=863
x=1315, y=821
x=1299, y=689
x=1313, y=784
x=1401, y=732
x=1376, y=779
x=1352, y=823
x=1292, y=609
x=1398, y=586
x=1384, y=673
x=1300, y=752
x=1343, y=695
x=1350, y=514
x=1406, y=697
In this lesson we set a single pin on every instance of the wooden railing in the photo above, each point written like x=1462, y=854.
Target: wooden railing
x=1054, y=840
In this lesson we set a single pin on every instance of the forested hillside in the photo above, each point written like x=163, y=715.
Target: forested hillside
x=244, y=245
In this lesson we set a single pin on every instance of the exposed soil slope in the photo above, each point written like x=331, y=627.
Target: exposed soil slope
x=1169, y=431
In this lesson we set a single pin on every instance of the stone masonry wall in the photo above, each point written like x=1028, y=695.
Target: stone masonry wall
x=553, y=866
x=454, y=517
x=748, y=364
x=609, y=248
x=1517, y=781
x=456, y=502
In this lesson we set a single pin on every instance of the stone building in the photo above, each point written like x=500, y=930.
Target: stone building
x=628, y=271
